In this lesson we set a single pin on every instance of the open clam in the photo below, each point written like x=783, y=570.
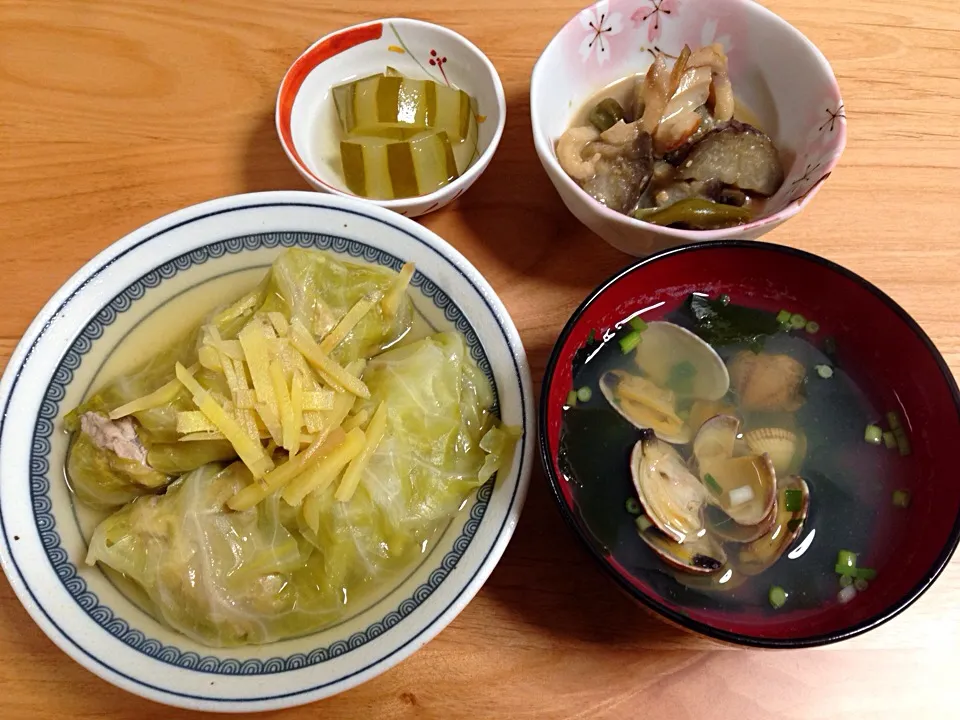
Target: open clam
x=675, y=364
x=646, y=405
x=760, y=554
x=675, y=358
x=672, y=497
x=697, y=555
x=745, y=488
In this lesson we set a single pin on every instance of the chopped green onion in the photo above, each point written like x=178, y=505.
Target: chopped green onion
x=629, y=341
x=724, y=299
x=794, y=499
x=797, y=321
x=844, y=570
x=643, y=523
x=783, y=317
x=893, y=420
x=584, y=394
x=591, y=338
x=903, y=444
x=890, y=440
x=873, y=434
x=846, y=581
x=824, y=371
x=901, y=498
x=812, y=327
x=864, y=573
x=860, y=584
x=794, y=524
x=712, y=483
x=846, y=559
x=633, y=507
x=778, y=597
x=572, y=399
x=638, y=324
x=683, y=414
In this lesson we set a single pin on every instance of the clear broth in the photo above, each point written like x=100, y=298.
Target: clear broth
x=850, y=482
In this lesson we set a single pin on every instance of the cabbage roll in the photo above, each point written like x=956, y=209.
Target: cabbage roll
x=275, y=570
x=128, y=438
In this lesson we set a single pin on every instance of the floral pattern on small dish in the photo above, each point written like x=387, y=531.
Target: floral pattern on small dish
x=652, y=15
x=776, y=72
x=601, y=27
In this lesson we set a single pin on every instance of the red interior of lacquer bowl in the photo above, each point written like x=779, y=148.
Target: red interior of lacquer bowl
x=901, y=369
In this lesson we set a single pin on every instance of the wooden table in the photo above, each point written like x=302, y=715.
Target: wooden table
x=113, y=113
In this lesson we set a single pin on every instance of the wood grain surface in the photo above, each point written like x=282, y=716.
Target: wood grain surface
x=113, y=113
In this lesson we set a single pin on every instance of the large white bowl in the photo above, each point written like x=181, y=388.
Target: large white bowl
x=778, y=73
x=417, y=49
x=176, y=268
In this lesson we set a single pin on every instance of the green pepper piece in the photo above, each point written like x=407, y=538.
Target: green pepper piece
x=697, y=213
x=607, y=113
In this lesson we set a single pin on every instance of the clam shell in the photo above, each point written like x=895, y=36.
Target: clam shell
x=757, y=556
x=785, y=448
x=716, y=438
x=665, y=345
x=753, y=471
x=727, y=529
x=672, y=497
x=700, y=555
x=648, y=407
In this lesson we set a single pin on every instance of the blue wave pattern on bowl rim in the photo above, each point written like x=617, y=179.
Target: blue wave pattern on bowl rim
x=63, y=376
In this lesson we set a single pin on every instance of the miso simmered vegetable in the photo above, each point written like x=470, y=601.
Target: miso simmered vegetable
x=710, y=454
x=277, y=465
x=402, y=137
x=668, y=147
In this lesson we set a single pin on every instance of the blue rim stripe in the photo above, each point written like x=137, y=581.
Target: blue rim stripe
x=94, y=274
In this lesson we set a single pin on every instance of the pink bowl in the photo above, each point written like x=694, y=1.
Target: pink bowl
x=776, y=72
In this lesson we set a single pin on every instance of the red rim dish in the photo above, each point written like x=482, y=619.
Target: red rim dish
x=899, y=366
x=322, y=51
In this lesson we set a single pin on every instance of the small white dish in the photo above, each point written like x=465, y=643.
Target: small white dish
x=306, y=117
x=179, y=267
x=777, y=72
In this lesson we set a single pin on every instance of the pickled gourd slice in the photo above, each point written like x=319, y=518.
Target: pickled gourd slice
x=384, y=169
x=381, y=105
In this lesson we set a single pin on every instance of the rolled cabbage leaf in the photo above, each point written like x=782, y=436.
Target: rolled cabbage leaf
x=222, y=578
x=228, y=578
x=429, y=461
x=309, y=285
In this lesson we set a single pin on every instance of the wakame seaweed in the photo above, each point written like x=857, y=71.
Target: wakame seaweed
x=721, y=323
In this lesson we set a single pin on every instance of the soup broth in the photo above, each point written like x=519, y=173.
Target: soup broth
x=850, y=481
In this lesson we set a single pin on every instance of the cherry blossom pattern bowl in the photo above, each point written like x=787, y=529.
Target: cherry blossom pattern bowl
x=306, y=116
x=776, y=72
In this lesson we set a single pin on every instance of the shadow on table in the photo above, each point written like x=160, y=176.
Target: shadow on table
x=265, y=165
x=548, y=579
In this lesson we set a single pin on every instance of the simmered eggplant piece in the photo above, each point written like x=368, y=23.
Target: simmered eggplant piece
x=738, y=155
x=620, y=179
